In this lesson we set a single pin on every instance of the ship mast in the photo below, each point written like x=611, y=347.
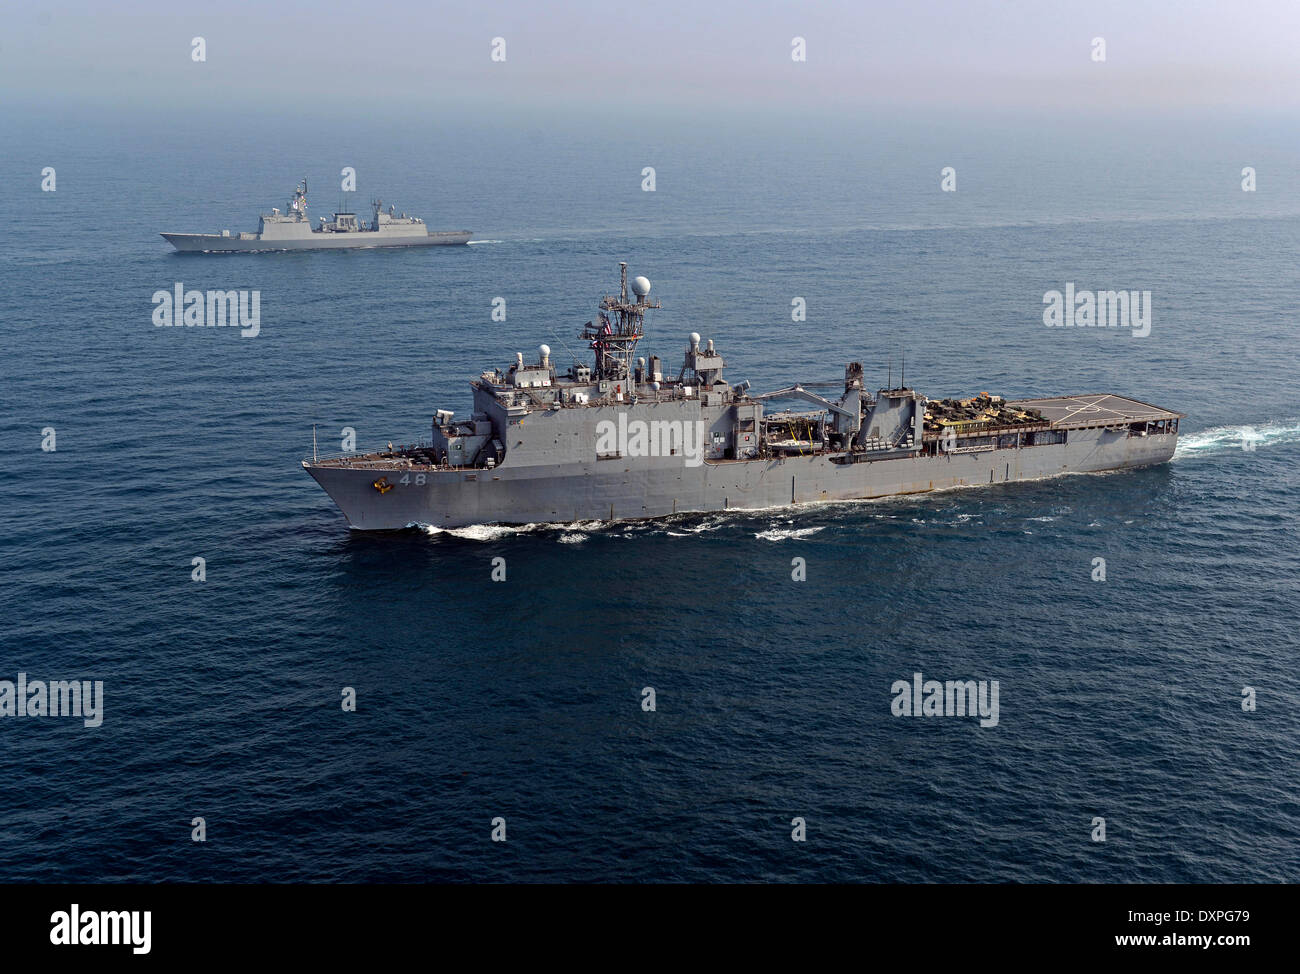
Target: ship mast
x=620, y=326
x=298, y=205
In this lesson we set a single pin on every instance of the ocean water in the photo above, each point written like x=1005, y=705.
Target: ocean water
x=521, y=699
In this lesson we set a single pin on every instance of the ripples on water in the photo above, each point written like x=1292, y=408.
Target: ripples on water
x=522, y=699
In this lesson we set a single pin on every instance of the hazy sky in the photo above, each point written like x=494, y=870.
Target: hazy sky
x=703, y=54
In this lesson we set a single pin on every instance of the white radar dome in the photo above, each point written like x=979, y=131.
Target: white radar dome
x=545, y=350
x=641, y=285
x=695, y=338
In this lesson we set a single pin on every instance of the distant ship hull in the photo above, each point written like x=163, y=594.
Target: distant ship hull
x=626, y=488
x=215, y=243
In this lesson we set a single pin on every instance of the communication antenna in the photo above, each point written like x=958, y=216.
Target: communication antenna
x=313, y=442
x=576, y=360
x=620, y=326
x=902, y=380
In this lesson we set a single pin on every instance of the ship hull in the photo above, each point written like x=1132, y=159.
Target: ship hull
x=622, y=488
x=215, y=243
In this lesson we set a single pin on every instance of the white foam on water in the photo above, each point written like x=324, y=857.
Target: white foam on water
x=570, y=532
x=473, y=242
x=1222, y=438
x=580, y=526
x=713, y=524
x=482, y=532
x=784, y=534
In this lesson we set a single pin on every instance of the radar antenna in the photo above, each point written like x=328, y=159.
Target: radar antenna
x=619, y=326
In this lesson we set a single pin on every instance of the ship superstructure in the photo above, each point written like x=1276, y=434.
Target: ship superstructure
x=293, y=230
x=627, y=438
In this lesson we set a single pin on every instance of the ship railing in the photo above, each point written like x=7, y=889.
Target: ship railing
x=388, y=465
x=402, y=451
x=965, y=429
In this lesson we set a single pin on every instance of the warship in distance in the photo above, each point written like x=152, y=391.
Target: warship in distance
x=623, y=439
x=293, y=230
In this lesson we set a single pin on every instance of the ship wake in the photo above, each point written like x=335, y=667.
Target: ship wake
x=1221, y=438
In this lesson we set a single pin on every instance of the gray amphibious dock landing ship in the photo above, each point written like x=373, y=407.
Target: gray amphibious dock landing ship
x=292, y=230
x=624, y=439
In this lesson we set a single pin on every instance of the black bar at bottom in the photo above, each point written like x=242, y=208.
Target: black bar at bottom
x=938, y=923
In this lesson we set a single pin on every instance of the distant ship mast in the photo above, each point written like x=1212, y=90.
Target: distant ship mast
x=298, y=205
x=620, y=326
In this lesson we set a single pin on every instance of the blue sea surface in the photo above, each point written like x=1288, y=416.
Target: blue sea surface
x=522, y=699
